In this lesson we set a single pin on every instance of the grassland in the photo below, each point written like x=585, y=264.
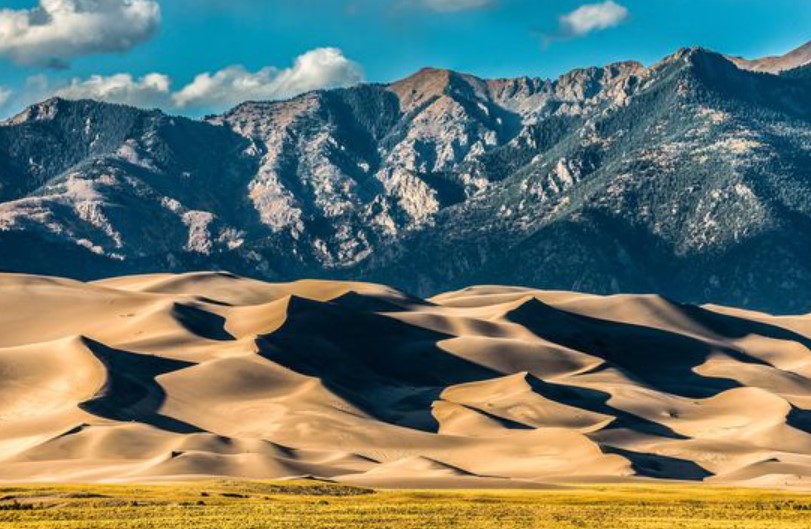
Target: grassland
x=304, y=505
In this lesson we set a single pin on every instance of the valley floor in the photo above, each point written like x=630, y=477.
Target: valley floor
x=303, y=505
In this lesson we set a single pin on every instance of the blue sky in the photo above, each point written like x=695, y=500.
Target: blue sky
x=376, y=40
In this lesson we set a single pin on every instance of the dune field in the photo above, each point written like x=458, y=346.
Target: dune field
x=200, y=376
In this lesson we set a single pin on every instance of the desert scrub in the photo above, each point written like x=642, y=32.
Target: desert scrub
x=311, y=505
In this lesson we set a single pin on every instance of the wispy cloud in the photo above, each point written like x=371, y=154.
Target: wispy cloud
x=450, y=6
x=592, y=17
x=57, y=31
x=5, y=95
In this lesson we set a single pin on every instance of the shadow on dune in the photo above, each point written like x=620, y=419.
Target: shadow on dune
x=390, y=369
x=661, y=467
x=661, y=359
x=734, y=327
x=504, y=422
x=131, y=392
x=395, y=371
x=359, y=302
x=800, y=419
x=201, y=323
x=597, y=402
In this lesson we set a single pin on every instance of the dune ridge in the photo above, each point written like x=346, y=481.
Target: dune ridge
x=166, y=377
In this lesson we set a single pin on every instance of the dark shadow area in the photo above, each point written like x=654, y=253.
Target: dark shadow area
x=131, y=393
x=389, y=369
x=504, y=422
x=395, y=371
x=364, y=303
x=800, y=419
x=661, y=359
x=597, y=401
x=661, y=467
x=734, y=327
x=204, y=324
x=209, y=301
x=448, y=190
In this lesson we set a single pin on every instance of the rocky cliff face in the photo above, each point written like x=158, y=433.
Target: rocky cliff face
x=689, y=178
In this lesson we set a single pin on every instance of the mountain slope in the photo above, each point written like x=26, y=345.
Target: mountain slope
x=777, y=64
x=689, y=178
x=694, y=187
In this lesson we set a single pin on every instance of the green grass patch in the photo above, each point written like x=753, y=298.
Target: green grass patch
x=313, y=504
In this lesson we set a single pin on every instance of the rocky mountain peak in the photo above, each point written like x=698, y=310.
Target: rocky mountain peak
x=688, y=56
x=45, y=110
x=588, y=84
x=698, y=66
x=429, y=84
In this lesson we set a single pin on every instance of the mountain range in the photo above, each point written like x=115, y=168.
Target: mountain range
x=690, y=178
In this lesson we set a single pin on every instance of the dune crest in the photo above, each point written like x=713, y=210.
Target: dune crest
x=210, y=374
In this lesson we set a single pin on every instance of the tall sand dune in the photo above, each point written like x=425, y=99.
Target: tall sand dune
x=168, y=377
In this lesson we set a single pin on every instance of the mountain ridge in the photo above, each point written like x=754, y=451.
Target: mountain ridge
x=792, y=60
x=616, y=178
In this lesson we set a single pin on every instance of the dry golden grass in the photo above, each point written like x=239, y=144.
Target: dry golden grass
x=303, y=505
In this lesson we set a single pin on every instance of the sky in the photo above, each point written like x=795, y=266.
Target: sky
x=200, y=56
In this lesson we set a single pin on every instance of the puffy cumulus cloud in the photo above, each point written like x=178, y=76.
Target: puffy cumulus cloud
x=58, y=30
x=455, y=5
x=152, y=90
x=316, y=69
x=592, y=17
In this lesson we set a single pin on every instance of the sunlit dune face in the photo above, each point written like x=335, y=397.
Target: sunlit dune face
x=163, y=376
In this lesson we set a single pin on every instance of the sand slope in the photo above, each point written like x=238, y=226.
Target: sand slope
x=166, y=377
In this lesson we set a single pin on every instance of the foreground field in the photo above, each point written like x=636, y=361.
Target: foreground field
x=229, y=504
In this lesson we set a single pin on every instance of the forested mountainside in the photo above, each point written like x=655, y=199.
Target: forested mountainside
x=690, y=178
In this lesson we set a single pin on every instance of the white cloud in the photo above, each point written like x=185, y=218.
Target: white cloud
x=316, y=69
x=5, y=95
x=152, y=90
x=592, y=17
x=58, y=30
x=455, y=5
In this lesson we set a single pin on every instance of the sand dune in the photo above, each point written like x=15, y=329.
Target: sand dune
x=176, y=377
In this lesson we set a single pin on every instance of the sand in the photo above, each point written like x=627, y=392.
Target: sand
x=195, y=376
